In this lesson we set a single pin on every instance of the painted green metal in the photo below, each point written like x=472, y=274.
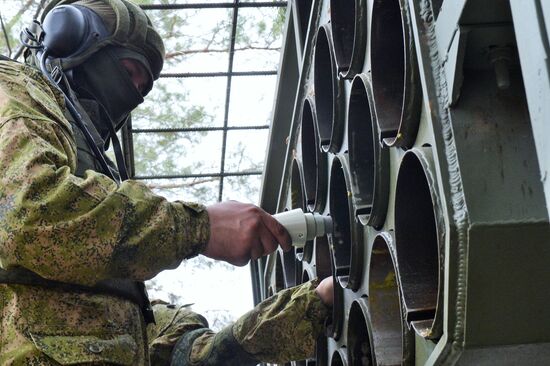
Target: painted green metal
x=471, y=180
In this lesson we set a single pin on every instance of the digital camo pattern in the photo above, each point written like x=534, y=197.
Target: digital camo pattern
x=283, y=327
x=171, y=322
x=214, y=349
x=280, y=329
x=48, y=327
x=75, y=230
x=83, y=230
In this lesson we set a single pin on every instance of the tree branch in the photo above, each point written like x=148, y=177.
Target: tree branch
x=20, y=12
x=181, y=185
x=174, y=54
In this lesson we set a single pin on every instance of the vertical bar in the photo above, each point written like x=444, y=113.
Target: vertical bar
x=5, y=35
x=128, y=147
x=228, y=93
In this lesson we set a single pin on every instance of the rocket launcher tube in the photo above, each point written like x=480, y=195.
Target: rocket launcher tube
x=303, y=227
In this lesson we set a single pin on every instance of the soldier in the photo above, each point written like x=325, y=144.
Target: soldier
x=77, y=239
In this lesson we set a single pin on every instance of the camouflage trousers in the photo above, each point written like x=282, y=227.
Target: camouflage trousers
x=171, y=322
x=280, y=329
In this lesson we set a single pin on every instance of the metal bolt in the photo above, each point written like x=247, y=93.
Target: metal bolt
x=95, y=348
x=500, y=58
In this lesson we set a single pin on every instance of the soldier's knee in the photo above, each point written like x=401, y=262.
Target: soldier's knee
x=176, y=316
x=202, y=347
x=171, y=323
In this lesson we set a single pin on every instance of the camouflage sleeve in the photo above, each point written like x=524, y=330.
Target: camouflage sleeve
x=284, y=327
x=280, y=329
x=71, y=229
x=171, y=323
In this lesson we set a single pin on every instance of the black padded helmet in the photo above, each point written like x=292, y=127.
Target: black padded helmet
x=95, y=24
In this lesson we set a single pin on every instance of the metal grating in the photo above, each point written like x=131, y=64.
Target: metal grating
x=129, y=132
x=222, y=74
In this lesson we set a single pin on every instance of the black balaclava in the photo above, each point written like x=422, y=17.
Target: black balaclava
x=103, y=80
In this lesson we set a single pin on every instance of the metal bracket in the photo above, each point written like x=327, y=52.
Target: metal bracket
x=454, y=62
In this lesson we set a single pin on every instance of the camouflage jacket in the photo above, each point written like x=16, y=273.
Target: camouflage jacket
x=78, y=230
x=82, y=230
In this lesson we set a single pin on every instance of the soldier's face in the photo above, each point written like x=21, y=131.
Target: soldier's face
x=137, y=72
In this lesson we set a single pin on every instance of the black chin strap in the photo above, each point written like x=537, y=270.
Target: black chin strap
x=77, y=116
x=112, y=137
x=120, y=162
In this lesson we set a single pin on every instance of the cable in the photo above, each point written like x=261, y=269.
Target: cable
x=29, y=35
x=77, y=117
x=121, y=164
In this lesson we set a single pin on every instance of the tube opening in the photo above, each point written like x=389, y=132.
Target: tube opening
x=308, y=250
x=368, y=159
x=336, y=322
x=346, y=239
x=348, y=28
x=359, y=338
x=314, y=162
x=394, y=73
x=326, y=89
x=416, y=238
x=322, y=257
x=297, y=196
x=385, y=306
x=338, y=358
x=290, y=267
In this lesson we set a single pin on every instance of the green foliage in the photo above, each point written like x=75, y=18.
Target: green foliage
x=161, y=153
x=260, y=27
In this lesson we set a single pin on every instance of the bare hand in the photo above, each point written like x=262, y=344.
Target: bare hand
x=325, y=290
x=240, y=232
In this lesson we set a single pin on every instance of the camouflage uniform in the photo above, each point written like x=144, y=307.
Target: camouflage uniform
x=85, y=229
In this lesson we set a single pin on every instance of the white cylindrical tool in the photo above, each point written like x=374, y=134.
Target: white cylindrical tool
x=304, y=226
